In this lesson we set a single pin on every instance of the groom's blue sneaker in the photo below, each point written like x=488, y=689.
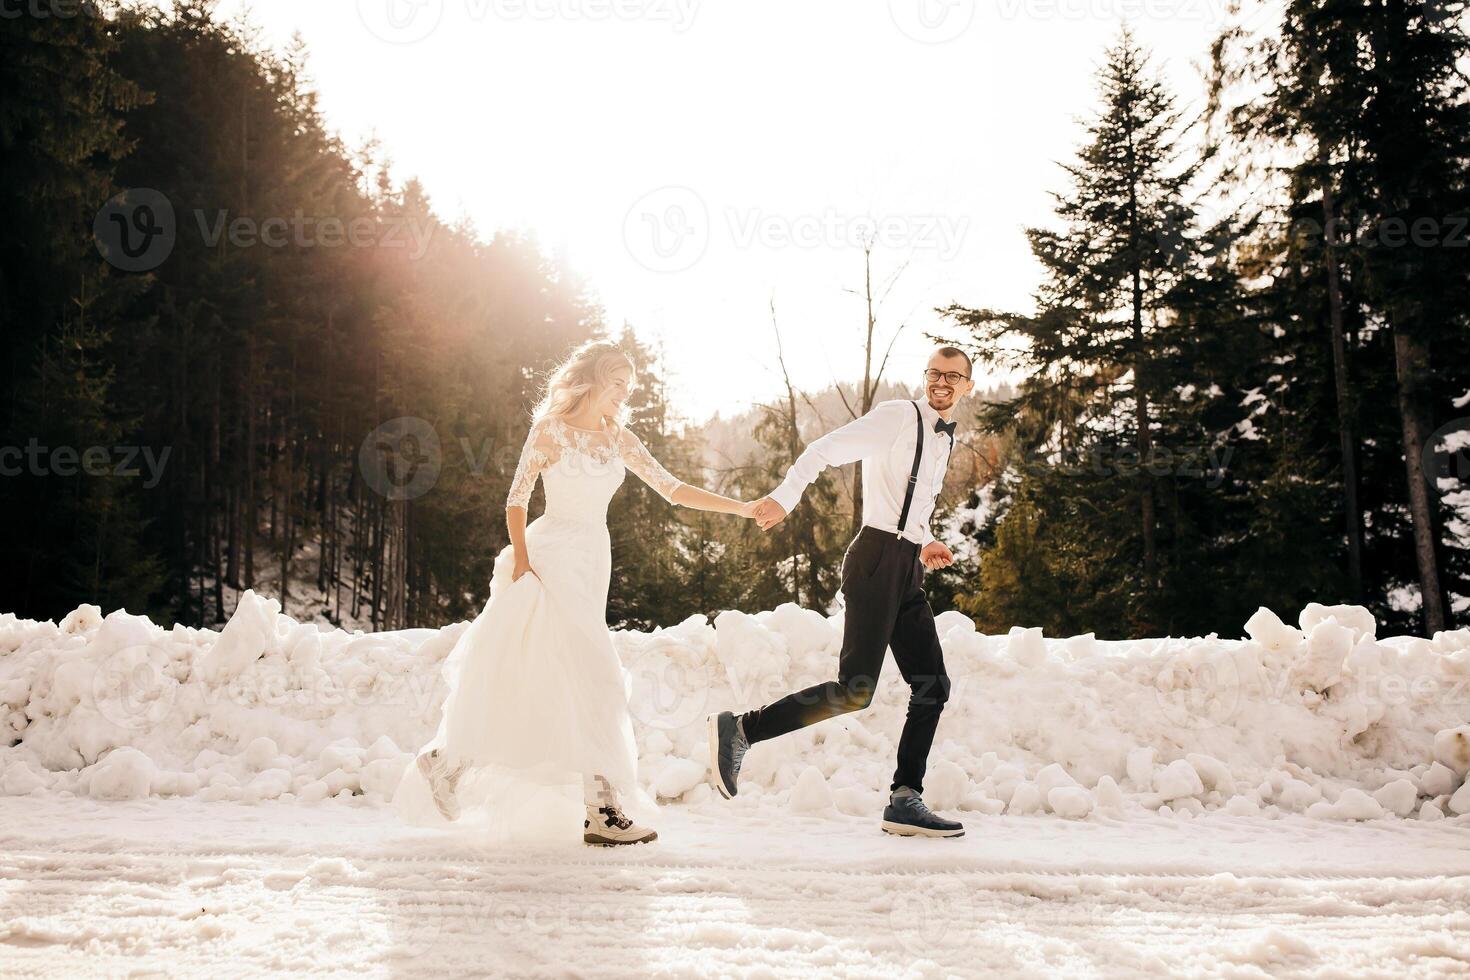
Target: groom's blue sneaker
x=727, y=745
x=908, y=816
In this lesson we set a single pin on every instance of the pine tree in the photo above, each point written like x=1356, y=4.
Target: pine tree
x=1367, y=109
x=1101, y=417
x=64, y=317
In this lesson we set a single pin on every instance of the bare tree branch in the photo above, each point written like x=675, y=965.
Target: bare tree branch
x=878, y=378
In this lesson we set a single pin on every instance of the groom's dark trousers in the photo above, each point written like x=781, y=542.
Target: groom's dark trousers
x=885, y=606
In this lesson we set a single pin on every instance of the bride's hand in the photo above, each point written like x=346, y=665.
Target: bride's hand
x=522, y=567
x=747, y=509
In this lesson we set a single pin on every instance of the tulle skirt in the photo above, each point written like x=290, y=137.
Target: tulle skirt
x=537, y=698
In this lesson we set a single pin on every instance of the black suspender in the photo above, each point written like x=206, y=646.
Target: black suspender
x=908, y=495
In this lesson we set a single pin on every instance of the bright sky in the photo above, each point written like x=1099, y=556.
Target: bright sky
x=694, y=159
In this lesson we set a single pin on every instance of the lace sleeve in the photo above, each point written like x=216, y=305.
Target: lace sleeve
x=536, y=455
x=638, y=459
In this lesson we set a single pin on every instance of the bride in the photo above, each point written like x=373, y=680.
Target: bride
x=537, y=698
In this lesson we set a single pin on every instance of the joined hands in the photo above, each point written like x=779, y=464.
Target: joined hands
x=767, y=513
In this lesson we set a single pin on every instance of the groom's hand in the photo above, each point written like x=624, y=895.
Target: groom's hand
x=768, y=513
x=935, y=556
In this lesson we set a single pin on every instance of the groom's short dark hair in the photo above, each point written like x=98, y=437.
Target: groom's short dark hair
x=948, y=351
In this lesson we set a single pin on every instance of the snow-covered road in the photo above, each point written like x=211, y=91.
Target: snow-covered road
x=189, y=888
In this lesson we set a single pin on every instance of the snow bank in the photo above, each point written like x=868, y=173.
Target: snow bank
x=1321, y=718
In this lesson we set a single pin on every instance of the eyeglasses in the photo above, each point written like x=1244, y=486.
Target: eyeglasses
x=950, y=377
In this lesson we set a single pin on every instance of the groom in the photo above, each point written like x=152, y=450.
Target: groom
x=904, y=447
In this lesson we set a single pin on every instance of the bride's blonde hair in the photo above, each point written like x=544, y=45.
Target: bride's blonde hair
x=585, y=370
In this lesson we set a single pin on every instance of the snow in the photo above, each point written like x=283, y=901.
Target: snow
x=126, y=774
x=811, y=794
x=270, y=708
x=1452, y=749
x=1178, y=779
x=1438, y=780
x=244, y=640
x=1400, y=796
x=1070, y=801
x=1026, y=798
x=1026, y=646
x=253, y=767
x=185, y=888
x=1109, y=796
x=1352, y=804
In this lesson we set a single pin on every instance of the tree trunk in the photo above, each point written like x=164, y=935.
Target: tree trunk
x=252, y=507
x=218, y=501
x=1145, y=441
x=1411, y=364
x=1144, y=438
x=1347, y=443
x=288, y=543
x=793, y=449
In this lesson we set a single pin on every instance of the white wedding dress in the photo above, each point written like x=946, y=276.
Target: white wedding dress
x=538, y=699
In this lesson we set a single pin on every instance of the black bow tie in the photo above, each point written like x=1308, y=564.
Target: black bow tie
x=946, y=427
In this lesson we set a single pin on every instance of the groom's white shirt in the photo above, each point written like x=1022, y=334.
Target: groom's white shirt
x=884, y=441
